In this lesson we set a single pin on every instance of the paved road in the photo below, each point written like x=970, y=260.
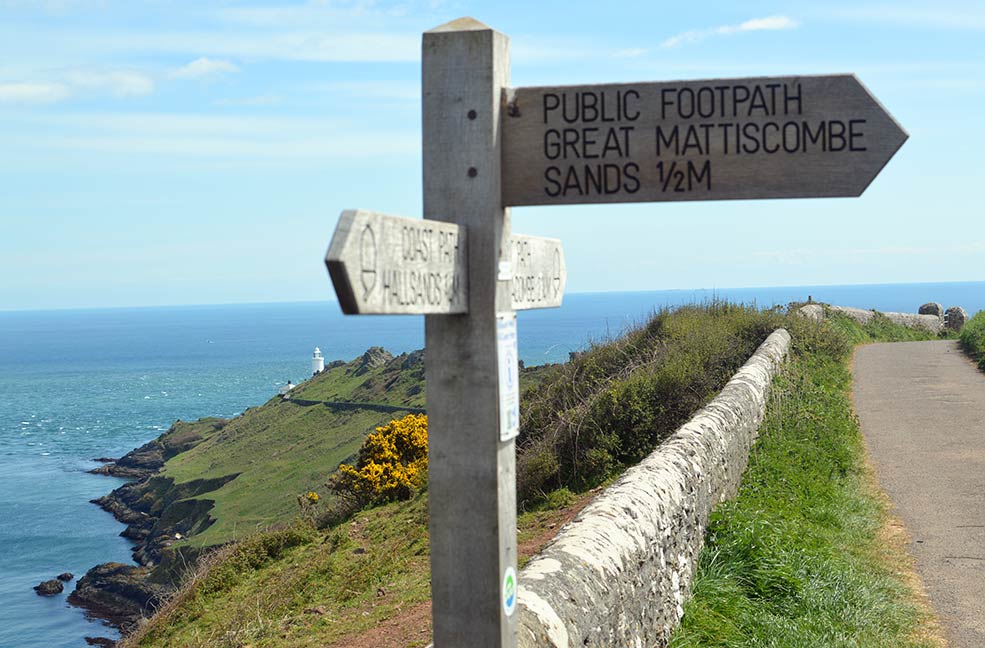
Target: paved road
x=922, y=410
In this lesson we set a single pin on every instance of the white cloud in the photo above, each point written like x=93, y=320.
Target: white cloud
x=769, y=23
x=938, y=17
x=318, y=46
x=67, y=83
x=204, y=68
x=33, y=93
x=243, y=139
x=121, y=83
x=633, y=52
x=392, y=90
x=258, y=100
x=798, y=256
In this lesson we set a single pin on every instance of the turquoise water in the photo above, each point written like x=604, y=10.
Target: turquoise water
x=80, y=384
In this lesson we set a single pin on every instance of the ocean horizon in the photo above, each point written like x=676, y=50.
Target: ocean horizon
x=93, y=382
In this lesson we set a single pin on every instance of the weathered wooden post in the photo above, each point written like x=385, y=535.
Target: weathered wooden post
x=472, y=465
x=467, y=273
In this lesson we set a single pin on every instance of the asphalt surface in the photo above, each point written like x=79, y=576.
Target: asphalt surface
x=922, y=410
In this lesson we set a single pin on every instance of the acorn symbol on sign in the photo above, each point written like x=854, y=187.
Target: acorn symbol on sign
x=367, y=259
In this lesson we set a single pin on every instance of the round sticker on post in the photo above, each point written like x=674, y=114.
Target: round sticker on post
x=509, y=591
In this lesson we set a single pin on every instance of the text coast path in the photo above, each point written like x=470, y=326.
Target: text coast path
x=921, y=406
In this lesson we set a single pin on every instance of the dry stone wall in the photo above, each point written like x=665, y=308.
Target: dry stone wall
x=618, y=575
x=932, y=323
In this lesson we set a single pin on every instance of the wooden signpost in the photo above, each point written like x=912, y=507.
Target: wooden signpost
x=388, y=265
x=487, y=147
x=721, y=139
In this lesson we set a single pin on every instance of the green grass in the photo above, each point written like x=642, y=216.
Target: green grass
x=797, y=558
x=973, y=338
x=614, y=403
x=257, y=463
x=298, y=587
x=793, y=561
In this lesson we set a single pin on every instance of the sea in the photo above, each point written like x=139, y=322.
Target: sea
x=76, y=385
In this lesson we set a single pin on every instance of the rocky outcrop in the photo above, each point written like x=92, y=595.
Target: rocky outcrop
x=100, y=641
x=955, y=318
x=65, y=577
x=618, y=575
x=931, y=308
x=49, y=587
x=150, y=457
x=373, y=358
x=413, y=359
x=813, y=312
x=156, y=509
x=118, y=593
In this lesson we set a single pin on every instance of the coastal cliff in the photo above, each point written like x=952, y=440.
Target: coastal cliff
x=206, y=483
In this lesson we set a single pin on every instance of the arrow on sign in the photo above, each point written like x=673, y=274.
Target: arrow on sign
x=721, y=139
x=382, y=264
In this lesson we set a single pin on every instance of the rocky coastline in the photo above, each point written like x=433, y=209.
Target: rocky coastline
x=150, y=507
x=160, y=512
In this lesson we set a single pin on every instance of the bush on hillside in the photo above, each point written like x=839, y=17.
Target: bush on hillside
x=973, y=338
x=392, y=464
x=611, y=405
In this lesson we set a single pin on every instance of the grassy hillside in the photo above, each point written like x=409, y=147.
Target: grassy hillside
x=973, y=338
x=365, y=581
x=375, y=566
x=276, y=451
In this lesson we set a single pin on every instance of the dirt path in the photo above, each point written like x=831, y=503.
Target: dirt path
x=922, y=410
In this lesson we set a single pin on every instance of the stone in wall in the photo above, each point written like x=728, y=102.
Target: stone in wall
x=618, y=575
x=955, y=317
x=930, y=322
x=932, y=308
x=813, y=312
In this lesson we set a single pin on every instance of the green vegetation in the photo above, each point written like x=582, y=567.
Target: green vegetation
x=392, y=465
x=613, y=404
x=800, y=555
x=973, y=338
x=796, y=555
x=253, y=467
x=299, y=588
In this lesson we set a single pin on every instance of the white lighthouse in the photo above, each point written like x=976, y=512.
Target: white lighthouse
x=317, y=362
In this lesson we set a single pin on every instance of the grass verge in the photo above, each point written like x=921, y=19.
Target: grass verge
x=800, y=557
x=973, y=338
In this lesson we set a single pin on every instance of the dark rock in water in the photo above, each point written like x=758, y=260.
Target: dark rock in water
x=120, y=594
x=955, y=318
x=49, y=587
x=932, y=308
x=65, y=577
x=101, y=641
x=136, y=464
x=104, y=459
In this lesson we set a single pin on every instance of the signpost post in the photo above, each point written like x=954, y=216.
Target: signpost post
x=487, y=147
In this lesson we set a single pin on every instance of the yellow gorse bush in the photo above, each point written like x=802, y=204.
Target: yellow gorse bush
x=392, y=465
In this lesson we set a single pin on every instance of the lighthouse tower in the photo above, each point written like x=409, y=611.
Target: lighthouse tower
x=317, y=362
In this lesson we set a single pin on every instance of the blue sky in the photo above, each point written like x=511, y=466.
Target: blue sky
x=164, y=152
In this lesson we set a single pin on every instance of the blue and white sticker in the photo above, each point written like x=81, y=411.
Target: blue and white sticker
x=509, y=376
x=509, y=591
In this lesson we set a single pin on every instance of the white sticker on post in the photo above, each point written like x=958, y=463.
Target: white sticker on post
x=509, y=376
